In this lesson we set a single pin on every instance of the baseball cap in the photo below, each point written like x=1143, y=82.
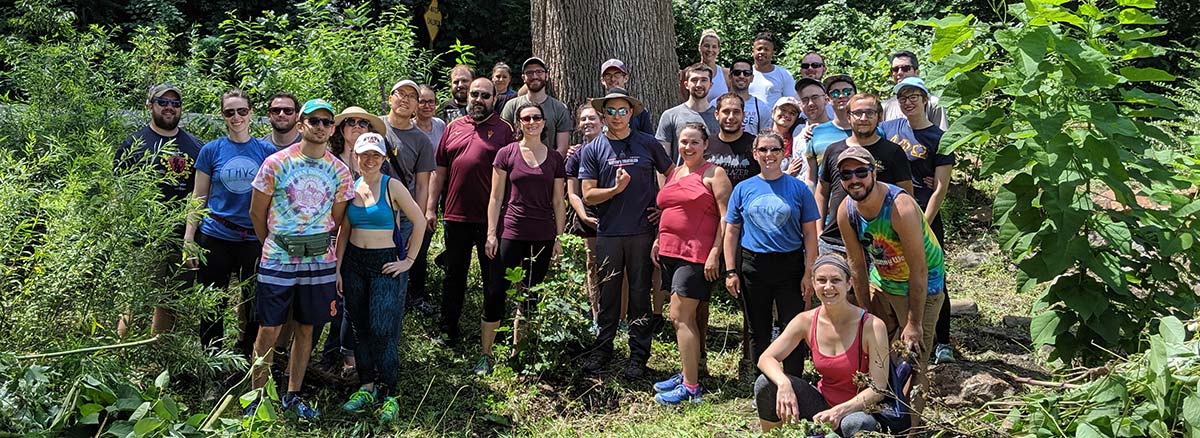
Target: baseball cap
x=369, y=142
x=314, y=105
x=829, y=81
x=786, y=100
x=533, y=60
x=911, y=81
x=856, y=153
x=157, y=90
x=405, y=83
x=803, y=83
x=614, y=62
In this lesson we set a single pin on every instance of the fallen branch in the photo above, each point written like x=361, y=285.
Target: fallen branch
x=150, y=340
x=1043, y=383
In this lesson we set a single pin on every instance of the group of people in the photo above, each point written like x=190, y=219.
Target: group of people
x=815, y=205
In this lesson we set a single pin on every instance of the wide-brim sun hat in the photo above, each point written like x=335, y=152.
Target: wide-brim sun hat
x=636, y=106
x=354, y=111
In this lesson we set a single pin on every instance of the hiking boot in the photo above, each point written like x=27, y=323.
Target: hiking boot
x=679, y=395
x=390, y=411
x=634, y=371
x=303, y=411
x=359, y=401
x=943, y=353
x=483, y=367
x=669, y=384
x=595, y=363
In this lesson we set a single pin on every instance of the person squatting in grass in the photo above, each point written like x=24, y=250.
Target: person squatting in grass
x=845, y=340
x=771, y=223
x=688, y=251
x=526, y=214
x=373, y=274
x=224, y=170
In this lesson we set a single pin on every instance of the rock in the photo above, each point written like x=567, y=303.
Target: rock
x=1016, y=321
x=963, y=308
x=984, y=387
x=970, y=259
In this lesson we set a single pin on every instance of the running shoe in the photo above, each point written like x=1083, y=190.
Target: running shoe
x=943, y=353
x=303, y=411
x=390, y=410
x=669, y=384
x=679, y=395
x=359, y=400
x=251, y=409
x=484, y=366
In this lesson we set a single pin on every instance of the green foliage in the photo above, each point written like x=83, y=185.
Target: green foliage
x=1059, y=94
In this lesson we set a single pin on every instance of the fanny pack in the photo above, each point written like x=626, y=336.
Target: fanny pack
x=308, y=245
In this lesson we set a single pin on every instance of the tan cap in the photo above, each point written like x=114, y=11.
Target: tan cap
x=856, y=153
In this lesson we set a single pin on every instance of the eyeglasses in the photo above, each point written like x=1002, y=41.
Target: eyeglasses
x=400, y=93
x=845, y=92
x=427, y=102
x=361, y=123
x=812, y=99
x=481, y=95
x=239, y=111
x=165, y=102
x=912, y=98
x=733, y=72
x=859, y=173
x=533, y=118
x=616, y=111
x=281, y=110
x=864, y=114
x=535, y=72
x=902, y=68
x=769, y=150
x=812, y=64
x=320, y=121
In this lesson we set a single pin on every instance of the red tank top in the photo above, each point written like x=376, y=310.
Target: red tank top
x=837, y=372
x=688, y=225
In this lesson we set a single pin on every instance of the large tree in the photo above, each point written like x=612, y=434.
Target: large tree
x=575, y=36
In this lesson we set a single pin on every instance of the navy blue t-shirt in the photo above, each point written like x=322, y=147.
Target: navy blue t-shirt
x=772, y=213
x=174, y=157
x=921, y=147
x=643, y=157
x=231, y=167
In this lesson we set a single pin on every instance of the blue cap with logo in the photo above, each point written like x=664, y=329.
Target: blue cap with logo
x=911, y=81
x=316, y=104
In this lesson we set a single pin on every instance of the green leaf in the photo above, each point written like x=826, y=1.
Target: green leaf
x=1081, y=295
x=1144, y=4
x=1134, y=16
x=1140, y=97
x=948, y=33
x=162, y=380
x=1045, y=327
x=248, y=398
x=140, y=412
x=146, y=425
x=1135, y=74
x=1089, y=68
x=1171, y=330
x=1087, y=430
x=167, y=409
x=1191, y=408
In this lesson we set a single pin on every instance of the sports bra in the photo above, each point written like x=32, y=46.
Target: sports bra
x=375, y=217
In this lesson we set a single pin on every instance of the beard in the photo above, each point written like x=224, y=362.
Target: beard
x=867, y=192
x=282, y=127
x=536, y=85
x=479, y=112
x=165, y=121
x=460, y=95
x=699, y=93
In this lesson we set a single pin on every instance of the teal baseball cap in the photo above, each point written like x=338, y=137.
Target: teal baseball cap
x=316, y=104
x=911, y=81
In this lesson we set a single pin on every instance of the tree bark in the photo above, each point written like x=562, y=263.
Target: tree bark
x=575, y=36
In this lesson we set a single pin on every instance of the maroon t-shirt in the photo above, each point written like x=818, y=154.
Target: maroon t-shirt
x=528, y=212
x=467, y=149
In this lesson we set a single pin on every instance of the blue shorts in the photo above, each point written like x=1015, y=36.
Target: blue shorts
x=308, y=291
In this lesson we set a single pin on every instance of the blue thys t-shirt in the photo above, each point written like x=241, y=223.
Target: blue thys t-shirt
x=771, y=213
x=921, y=147
x=643, y=157
x=231, y=167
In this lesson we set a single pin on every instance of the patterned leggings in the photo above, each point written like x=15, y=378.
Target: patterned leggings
x=375, y=309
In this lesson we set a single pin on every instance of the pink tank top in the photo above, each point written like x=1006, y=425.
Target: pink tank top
x=688, y=225
x=837, y=372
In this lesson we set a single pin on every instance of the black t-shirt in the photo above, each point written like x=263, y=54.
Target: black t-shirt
x=735, y=157
x=891, y=167
x=174, y=157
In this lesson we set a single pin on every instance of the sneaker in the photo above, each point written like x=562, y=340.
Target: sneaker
x=484, y=366
x=303, y=411
x=669, y=384
x=634, y=371
x=251, y=409
x=943, y=353
x=390, y=410
x=678, y=395
x=359, y=401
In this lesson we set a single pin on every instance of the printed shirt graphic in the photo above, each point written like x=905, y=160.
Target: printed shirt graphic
x=889, y=267
x=772, y=213
x=303, y=191
x=232, y=168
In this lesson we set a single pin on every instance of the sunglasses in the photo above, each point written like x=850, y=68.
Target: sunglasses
x=531, y=119
x=845, y=92
x=864, y=114
x=165, y=102
x=769, y=150
x=358, y=122
x=281, y=110
x=859, y=173
x=481, y=95
x=812, y=64
x=616, y=111
x=733, y=72
x=902, y=68
x=320, y=121
x=239, y=111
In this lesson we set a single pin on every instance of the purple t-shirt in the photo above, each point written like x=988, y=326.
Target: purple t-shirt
x=642, y=156
x=528, y=212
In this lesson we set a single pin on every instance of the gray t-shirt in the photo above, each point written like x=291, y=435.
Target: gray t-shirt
x=558, y=117
x=435, y=131
x=674, y=118
x=411, y=151
x=937, y=115
x=279, y=147
x=757, y=115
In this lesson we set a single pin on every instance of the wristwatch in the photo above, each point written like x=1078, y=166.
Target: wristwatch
x=730, y=271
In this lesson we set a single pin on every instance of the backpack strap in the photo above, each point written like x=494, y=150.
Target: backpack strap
x=861, y=322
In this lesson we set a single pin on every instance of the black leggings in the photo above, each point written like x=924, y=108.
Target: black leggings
x=942, y=331
x=532, y=255
x=226, y=258
x=460, y=239
x=771, y=283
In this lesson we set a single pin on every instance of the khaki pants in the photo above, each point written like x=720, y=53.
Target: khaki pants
x=893, y=310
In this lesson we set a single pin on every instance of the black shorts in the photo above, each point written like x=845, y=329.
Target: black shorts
x=308, y=291
x=685, y=278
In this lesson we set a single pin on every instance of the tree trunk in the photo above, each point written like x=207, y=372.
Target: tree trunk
x=575, y=36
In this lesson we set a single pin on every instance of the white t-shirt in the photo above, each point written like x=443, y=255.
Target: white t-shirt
x=719, y=86
x=772, y=85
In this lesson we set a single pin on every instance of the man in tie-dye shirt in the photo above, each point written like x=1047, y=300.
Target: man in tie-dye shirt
x=300, y=195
